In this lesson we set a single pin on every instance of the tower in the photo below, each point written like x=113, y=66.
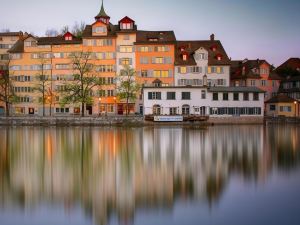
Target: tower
x=102, y=16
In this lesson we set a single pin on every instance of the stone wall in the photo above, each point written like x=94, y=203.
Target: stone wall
x=237, y=120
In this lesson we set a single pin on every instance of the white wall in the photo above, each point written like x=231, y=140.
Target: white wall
x=197, y=101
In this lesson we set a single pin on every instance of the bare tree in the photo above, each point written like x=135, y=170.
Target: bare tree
x=7, y=94
x=43, y=81
x=64, y=30
x=5, y=30
x=51, y=32
x=84, y=80
x=127, y=87
x=78, y=29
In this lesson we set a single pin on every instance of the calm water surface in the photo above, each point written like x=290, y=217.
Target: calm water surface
x=217, y=175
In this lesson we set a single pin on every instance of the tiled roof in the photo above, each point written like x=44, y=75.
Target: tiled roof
x=292, y=63
x=155, y=37
x=238, y=65
x=281, y=98
x=235, y=89
x=10, y=34
x=191, y=46
x=58, y=40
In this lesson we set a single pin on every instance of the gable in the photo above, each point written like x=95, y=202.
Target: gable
x=99, y=29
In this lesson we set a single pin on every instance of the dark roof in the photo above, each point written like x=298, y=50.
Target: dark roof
x=58, y=41
x=291, y=78
x=292, y=63
x=235, y=89
x=274, y=76
x=163, y=37
x=18, y=47
x=9, y=34
x=281, y=98
x=190, y=47
x=238, y=65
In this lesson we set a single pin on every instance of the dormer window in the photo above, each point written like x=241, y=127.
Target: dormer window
x=30, y=44
x=126, y=26
x=68, y=38
x=99, y=30
x=126, y=23
x=153, y=39
x=214, y=48
x=184, y=57
x=219, y=57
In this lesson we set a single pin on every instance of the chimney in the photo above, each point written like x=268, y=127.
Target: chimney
x=212, y=37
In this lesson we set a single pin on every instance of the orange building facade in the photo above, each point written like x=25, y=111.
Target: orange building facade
x=110, y=47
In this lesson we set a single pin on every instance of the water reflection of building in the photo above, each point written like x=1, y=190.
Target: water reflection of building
x=113, y=170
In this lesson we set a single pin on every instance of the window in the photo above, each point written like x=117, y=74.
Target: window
x=196, y=69
x=183, y=70
x=255, y=96
x=235, y=96
x=185, y=110
x=285, y=108
x=62, y=66
x=125, y=61
x=185, y=95
x=30, y=44
x=159, y=60
x=144, y=73
x=161, y=73
x=246, y=96
x=35, y=56
x=16, y=56
x=173, y=111
x=203, y=94
x=144, y=49
x=110, y=93
x=252, y=82
x=263, y=83
x=154, y=95
x=215, y=96
x=144, y=60
x=171, y=95
x=272, y=107
x=156, y=110
x=225, y=96
x=274, y=83
x=126, y=26
x=99, y=29
x=58, y=55
x=161, y=49
x=126, y=49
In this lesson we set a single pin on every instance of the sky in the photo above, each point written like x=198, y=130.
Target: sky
x=265, y=29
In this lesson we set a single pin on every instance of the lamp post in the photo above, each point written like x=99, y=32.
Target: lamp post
x=295, y=103
x=115, y=108
x=99, y=106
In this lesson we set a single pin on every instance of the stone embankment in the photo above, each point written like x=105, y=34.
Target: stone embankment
x=124, y=121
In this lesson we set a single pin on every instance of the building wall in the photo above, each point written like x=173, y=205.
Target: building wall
x=279, y=112
x=197, y=101
x=152, y=67
x=212, y=77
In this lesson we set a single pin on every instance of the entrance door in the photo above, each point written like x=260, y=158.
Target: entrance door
x=31, y=111
x=120, y=109
x=89, y=108
x=202, y=111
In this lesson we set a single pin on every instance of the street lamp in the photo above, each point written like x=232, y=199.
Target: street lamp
x=295, y=102
x=99, y=106
x=115, y=106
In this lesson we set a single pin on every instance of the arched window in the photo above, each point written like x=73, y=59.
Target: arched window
x=156, y=110
x=185, y=110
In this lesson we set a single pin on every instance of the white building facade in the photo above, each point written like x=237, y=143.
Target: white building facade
x=204, y=101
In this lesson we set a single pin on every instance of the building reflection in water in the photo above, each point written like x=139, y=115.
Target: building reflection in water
x=117, y=170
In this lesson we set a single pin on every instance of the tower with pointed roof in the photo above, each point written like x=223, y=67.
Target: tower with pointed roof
x=102, y=16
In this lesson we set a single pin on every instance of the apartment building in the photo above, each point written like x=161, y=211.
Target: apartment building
x=7, y=40
x=255, y=73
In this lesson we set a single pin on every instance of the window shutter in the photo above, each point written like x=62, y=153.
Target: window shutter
x=114, y=55
x=150, y=49
x=150, y=95
x=167, y=48
x=150, y=73
x=120, y=61
x=170, y=73
x=130, y=61
x=153, y=60
x=158, y=95
x=118, y=48
x=115, y=68
x=133, y=48
x=138, y=73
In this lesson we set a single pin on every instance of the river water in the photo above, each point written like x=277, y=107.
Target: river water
x=152, y=175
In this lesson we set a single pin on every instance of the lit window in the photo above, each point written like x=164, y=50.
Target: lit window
x=183, y=70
